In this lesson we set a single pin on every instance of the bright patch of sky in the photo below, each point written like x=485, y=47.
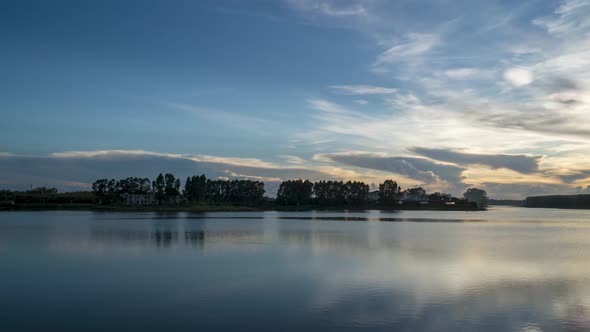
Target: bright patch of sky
x=443, y=94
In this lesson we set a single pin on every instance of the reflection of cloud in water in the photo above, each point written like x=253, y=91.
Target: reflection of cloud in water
x=411, y=276
x=476, y=269
x=495, y=307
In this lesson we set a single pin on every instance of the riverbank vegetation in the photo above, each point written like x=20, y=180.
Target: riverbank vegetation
x=202, y=194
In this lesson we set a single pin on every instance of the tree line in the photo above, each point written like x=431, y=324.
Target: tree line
x=300, y=192
x=305, y=192
x=199, y=189
x=166, y=188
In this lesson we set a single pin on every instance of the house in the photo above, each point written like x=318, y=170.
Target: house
x=150, y=199
x=139, y=199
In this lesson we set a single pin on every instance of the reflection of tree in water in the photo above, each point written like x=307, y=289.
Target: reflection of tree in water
x=168, y=237
x=167, y=234
x=164, y=238
x=162, y=234
x=195, y=238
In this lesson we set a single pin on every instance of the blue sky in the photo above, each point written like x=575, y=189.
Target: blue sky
x=443, y=94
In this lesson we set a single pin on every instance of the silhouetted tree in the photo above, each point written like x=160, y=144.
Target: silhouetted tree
x=158, y=186
x=294, y=192
x=171, y=186
x=356, y=192
x=187, y=192
x=389, y=192
x=198, y=188
x=217, y=191
x=100, y=187
x=233, y=191
x=329, y=192
x=416, y=193
x=438, y=197
x=477, y=196
x=145, y=186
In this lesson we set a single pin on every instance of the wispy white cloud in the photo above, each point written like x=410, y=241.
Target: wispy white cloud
x=412, y=45
x=114, y=154
x=233, y=175
x=461, y=73
x=295, y=160
x=571, y=17
x=227, y=118
x=363, y=89
x=330, y=8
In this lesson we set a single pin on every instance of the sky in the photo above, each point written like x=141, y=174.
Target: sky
x=441, y=94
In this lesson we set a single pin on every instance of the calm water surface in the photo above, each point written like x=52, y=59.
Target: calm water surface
x=507, y=269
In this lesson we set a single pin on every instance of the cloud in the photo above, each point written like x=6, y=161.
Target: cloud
x=330, y=8
x=521, y=163
x=518, y=76
x=326, y=106
x=522, y=190
x=419, y=169
x=120, y=154
x=413, y=44
x=361, y=102
x=581, y=190
x=76, y=170
x=232, y=175
x=295, y=160
x=575, y=176
x=83, y=167
x=572, y=17
x=363, y=89
x=235, y=119
x=461, y=73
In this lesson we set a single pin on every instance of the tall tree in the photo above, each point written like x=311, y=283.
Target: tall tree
x=356, y=192
x=100, y=189
x=145, y=186
x=187, y=192
x=198, y=188
x=294, y=192
x=389, y=192
x=171, y=186
x=416, y=193
x=158, y=186
x=477, y=196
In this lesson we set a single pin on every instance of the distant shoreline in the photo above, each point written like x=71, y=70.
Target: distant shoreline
x=221, y=208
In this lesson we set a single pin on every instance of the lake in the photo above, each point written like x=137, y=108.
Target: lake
x=506, y=269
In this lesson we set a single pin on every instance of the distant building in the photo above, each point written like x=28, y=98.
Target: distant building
x=150, y=199
x=139, y=199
